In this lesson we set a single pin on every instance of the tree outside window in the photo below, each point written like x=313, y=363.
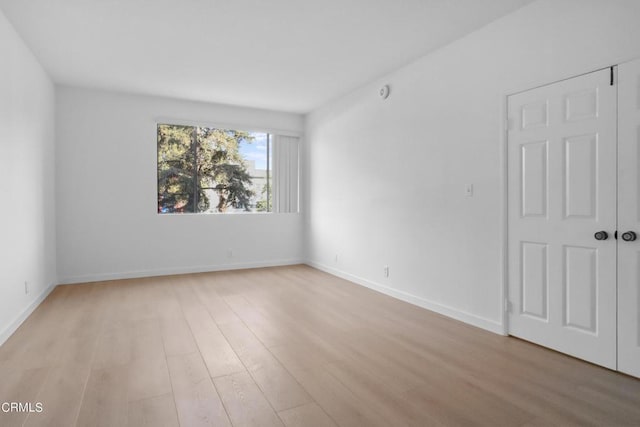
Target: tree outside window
x=210, y=170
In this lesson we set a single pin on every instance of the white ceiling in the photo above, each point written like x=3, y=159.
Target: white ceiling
x=289, y=55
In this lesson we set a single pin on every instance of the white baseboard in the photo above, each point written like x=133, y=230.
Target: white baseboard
x=471, y=319
x=100, y=277
x=15, y=324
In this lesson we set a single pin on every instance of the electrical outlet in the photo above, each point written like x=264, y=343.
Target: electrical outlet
x=26, y=287
x=468, y=190
x=229, y=253
x=386, y=271
x=336, y=258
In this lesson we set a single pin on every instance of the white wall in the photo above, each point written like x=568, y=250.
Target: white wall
x=27, y=214
x=386, y=179
x=108, y=226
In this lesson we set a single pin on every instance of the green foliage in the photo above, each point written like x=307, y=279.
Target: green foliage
x=192, y=160
x=175, y=169
x=263, y=205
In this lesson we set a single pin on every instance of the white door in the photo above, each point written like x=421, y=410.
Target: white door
x=628, y=218
x=562, y=190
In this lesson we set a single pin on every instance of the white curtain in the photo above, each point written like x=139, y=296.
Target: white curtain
x=285, y=174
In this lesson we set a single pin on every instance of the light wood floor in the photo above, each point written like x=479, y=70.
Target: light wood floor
x=285, y=346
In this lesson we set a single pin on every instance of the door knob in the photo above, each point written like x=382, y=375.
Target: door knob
x=601, y=235
x=629, y=236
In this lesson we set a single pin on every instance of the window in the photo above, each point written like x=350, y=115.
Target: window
x=211, y=170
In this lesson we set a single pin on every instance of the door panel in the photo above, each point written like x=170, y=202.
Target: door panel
x=629, y=218
x=580, y=288
x=580, y=176
x=534, y=280
x=562, y=189
x=582, y=105
x=534, y=179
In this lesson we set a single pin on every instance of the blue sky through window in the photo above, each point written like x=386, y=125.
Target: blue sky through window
x=256, y=150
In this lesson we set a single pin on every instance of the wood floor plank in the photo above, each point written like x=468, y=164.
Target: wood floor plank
x=305, y=356
x=217, y=353
x=177, y=337
x=37, y=350
x=309, y=415
x=219, y=311
x=279, y=387
x=265, y=330
x=158, y=411
x=244, y=402
x=104, y=403
x=147, y=340
x=61, y=396
x=376, y=393
x=197, y=401
x=338, y=401
x=541, y=422
x=114, y=347
x=148, y=378
x=18, y=385
x=457, y=402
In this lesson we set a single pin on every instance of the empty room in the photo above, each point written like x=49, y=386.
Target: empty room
x=337, y=213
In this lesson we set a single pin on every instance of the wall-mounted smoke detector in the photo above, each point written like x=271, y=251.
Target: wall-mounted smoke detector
x=384, y=92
